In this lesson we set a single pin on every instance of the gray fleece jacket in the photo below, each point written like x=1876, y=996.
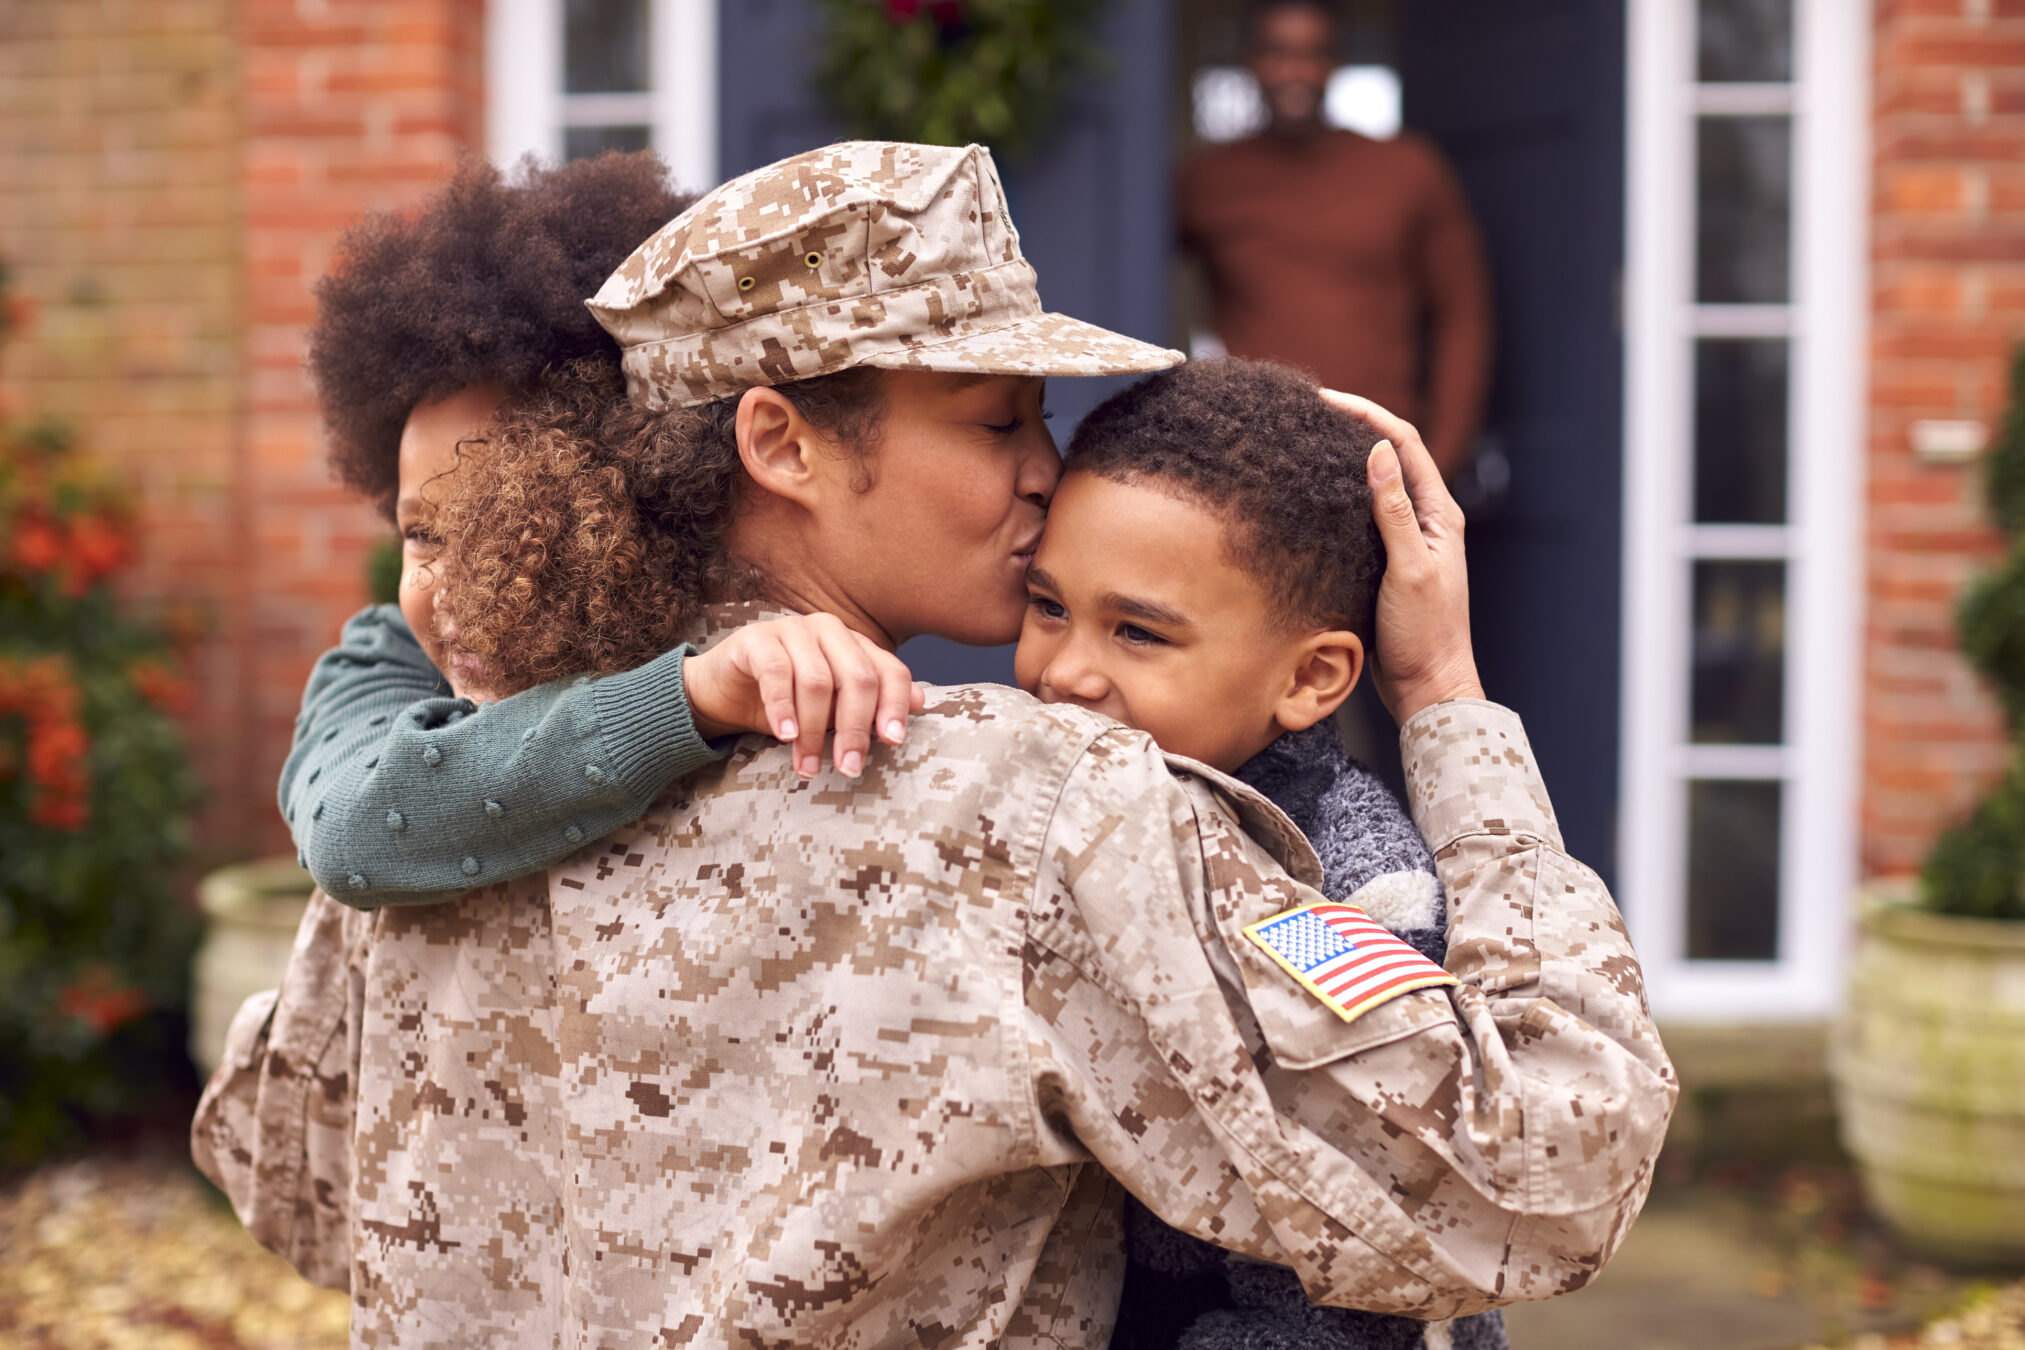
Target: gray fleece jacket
x=1180, y=1292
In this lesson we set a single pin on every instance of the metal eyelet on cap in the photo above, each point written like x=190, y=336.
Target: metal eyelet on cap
x=813, y=259
x=746, y=283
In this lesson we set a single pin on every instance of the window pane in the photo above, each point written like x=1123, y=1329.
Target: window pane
x=1733, y=871
x=584, y=142
x=1745, y=40
x=605, y=47
x=1739, y=653
x=1740, y=431
x=1743, y=179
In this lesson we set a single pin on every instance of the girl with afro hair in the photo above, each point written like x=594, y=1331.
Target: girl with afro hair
x=432, y=327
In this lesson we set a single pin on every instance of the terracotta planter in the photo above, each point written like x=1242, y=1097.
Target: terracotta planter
x=252, y=911
x=1928, y=1058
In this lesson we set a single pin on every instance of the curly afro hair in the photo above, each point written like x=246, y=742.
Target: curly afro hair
x=486, y=282
x=587, y=534
x=1254, y=443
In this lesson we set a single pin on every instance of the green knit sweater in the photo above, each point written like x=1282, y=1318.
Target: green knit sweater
x=398, y=792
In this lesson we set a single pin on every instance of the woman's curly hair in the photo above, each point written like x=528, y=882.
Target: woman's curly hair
x=486, y=282
x=584, y=534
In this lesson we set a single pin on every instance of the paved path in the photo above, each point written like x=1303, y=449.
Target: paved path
x=97, y=1255
x=1771, y=1262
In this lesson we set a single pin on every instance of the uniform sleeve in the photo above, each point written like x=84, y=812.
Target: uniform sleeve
x=1448, y=1151
x=397, y=792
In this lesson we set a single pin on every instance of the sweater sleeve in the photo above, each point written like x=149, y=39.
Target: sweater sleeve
x=398, y=792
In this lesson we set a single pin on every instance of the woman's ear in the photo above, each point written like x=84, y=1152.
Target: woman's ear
x=1326, y=667
x=777, y=445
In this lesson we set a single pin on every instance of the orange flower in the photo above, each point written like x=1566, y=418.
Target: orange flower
x=98, y=999
x=38, y=545
x=58, y=749
x=162, y=687
x=98, y=547
x=60, y=812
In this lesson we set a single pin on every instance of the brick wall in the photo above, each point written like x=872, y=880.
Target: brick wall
x=1949, y=307
x=173, y=174
x=349, y=106
x=118, y=214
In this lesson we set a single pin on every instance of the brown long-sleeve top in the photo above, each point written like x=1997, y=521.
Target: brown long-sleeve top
x=1350, y=258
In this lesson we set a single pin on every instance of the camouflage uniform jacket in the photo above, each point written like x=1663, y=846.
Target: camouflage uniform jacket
x=863, y=1063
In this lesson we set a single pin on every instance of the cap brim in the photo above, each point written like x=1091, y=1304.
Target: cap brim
x=1046, y=344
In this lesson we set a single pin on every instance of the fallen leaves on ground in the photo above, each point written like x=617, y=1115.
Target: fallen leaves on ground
x=104, y=1255
x=1993, y=1321
x=1990, y=1319
x=100, y=1255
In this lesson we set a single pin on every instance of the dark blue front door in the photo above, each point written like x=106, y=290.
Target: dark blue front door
x=1090, y=205
x=1527, y=99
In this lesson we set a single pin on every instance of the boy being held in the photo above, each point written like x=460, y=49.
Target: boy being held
x=1208, y=576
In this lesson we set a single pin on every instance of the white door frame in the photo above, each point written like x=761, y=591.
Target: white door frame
x=526, y=109
x=1827, y=321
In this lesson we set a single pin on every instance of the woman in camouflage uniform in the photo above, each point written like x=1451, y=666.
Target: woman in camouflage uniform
x=865, y=1063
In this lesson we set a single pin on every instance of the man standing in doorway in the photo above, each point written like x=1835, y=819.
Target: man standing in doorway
x=1354, y=259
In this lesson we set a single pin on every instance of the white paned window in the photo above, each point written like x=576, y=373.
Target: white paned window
x=1744, y=316
x=570, y=78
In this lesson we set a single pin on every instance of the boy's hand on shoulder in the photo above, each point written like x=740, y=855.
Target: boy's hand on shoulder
x=798, y=678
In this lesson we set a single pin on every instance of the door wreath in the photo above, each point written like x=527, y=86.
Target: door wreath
x=949, y=72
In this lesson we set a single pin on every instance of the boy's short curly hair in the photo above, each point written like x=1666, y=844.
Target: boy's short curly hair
x=1254, y=443
x=486, y=282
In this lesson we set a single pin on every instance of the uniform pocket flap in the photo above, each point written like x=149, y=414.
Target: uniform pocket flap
x=1305, y=1029
x=246, y=1038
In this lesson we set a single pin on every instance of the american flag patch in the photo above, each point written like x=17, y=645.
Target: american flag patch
x=1341, y=957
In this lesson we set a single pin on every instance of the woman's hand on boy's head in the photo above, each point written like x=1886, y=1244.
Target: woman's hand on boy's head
x=1423, y=653
x=801, y=677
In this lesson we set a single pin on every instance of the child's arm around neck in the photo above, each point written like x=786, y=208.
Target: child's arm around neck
x=398, y=792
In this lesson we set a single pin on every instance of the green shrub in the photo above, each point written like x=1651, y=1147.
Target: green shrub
x=949, y=72
x=383, y=572
x=95, y=795
x=2006, y=463
x=1975, y=869
x=1978, y=869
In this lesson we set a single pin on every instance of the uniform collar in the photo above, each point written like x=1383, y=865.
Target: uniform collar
x=721, y=619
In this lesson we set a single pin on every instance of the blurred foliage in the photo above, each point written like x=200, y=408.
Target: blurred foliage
x=383, y=572
x=2005, y=465
x=1978, y=869
x=95, y=796
x=949, y=72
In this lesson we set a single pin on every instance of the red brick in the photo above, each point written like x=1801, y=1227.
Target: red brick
x=1933, y=740
x=250, y=134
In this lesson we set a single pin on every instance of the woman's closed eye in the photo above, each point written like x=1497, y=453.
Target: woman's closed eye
x=421, y=537
x=1007, y=428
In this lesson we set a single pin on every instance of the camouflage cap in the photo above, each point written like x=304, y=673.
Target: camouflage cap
x=864, y=253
